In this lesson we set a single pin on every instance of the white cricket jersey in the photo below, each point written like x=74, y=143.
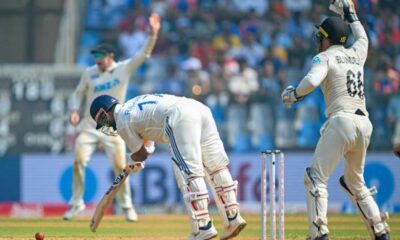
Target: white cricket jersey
x=114, y=82
x=143, y=117
x=340, y=73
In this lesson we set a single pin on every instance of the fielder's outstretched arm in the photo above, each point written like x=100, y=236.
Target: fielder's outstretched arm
x=146, y=51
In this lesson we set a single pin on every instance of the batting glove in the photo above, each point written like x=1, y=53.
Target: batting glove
x=150, y=146
x=133, y=165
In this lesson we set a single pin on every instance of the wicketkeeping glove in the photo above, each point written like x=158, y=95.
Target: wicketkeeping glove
x=289, y=96
x=345, y=8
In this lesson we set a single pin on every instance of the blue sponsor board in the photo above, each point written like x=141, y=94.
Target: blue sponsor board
x=48, y=179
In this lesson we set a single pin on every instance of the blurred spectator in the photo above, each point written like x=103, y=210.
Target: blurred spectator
x=269, y=82
x=385, y=84
x=297, y=5
x=258, y=6
x=394, y=117
x=132, y=36
x=300, y=50
x=226, y=40
x=197, y=80
x=252, y=51
x=218, y=100
x=269, y=35
x=244, y=83
x=386, y=80
x=182, y=35
x=184, y=6
x=281, y=37
x=300, y=25
x=251, y=24
x=160, y=7
x=105, y=13
x=202, y=49
x=262, y=110
x=241, y=85
x=174, y=83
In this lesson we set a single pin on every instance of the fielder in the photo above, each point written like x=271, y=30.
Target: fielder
x=198, y=155
x=347, y=131
x=106, y=77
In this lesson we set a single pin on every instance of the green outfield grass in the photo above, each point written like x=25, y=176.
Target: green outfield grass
x=163, y=227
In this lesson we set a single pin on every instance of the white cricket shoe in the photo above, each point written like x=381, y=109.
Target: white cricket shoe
x=130, y=214
x=208, y=232
x=74, y=210
x=235, y=227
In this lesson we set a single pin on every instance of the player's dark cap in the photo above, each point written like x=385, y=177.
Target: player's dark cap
x=101, y=104
x=102, y=50
x=335, y=29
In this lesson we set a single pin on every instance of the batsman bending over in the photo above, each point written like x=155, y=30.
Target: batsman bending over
x=347, y=131
x=198, y=155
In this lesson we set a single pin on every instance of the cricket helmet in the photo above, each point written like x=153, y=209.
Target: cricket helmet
x=98, y=110
x=335, y=29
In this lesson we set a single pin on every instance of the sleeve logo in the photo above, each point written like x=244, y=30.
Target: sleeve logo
x=316, y=60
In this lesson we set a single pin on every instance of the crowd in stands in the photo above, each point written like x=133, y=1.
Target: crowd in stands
x=236, y=56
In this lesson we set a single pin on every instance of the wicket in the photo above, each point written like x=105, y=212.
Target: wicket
x=281, y=190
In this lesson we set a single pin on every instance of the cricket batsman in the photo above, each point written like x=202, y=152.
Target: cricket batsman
x=106, y=77
x=198, y=154
x=347, y=131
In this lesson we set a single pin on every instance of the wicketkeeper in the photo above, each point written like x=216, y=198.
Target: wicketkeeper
x=347, y=131
x=106, y=77
x=198, y=155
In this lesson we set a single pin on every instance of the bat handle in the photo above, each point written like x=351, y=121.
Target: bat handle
x=128, y=168
x=139, y=165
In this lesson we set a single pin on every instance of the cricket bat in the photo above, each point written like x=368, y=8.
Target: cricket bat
x=110, y=194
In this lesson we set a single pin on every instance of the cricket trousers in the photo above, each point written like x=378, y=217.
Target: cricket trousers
x=343, y=135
